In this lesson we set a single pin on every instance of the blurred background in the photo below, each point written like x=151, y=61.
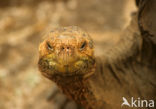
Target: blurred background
x=22, y=25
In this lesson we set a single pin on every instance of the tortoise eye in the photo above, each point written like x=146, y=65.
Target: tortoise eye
x=83, y=45
x=49, y=46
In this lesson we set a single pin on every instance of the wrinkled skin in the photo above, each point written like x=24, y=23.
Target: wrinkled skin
x=70, y=63
x=126, y=69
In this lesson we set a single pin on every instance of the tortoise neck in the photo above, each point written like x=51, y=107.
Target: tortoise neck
x=147, y=53
x=77, y=88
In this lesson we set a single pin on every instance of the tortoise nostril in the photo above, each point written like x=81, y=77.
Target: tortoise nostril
x=65, y=48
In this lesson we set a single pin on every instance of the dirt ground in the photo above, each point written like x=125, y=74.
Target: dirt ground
x=22, y=25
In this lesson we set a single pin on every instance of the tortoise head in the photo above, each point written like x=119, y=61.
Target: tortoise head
x=65, y=52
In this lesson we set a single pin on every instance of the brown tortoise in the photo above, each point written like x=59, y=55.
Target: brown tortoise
x=127, y=69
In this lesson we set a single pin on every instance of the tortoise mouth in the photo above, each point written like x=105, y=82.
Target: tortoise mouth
x=51, y=67
x=67, y=74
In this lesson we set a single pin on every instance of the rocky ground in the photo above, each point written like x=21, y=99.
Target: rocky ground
x=22, y=25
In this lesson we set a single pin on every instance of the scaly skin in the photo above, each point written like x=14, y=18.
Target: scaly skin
x=124, y=70
x=67, y=57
